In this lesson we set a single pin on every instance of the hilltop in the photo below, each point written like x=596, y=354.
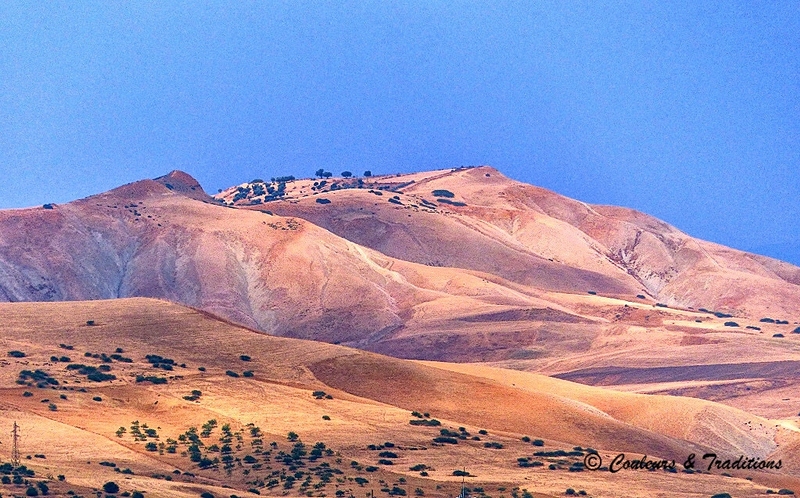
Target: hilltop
x=457, y=265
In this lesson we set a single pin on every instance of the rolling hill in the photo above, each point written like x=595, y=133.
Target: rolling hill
x=357, y=404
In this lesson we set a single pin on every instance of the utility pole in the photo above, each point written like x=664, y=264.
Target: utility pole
x=15, y=447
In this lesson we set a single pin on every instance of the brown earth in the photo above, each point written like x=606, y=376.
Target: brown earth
x=371, y=400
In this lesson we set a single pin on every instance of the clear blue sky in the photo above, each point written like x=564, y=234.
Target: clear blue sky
x=685, y=110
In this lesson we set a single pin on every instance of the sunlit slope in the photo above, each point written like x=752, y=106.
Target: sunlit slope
x=534, y=236
x=281, y=275
x=371, y=400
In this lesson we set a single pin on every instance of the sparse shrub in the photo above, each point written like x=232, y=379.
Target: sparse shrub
x=111, y=487
x=97, y=398
x=326, y=417
x=247, y=373
x=796, y=331
x=731, y=324
x=244, y=357
x=231, y=373
x=384, y=461
x=640, y=296
x=443, y=193
x=483, y=432
x=151, y=378
x=31, y=491
x=452, y=203
x=292, y=436
x=322, y=200
x=594, y=293
x=16, y=354
x=445, y=440
x=722, y=495
x=27, y=394
x=777, y=335
x=90, y=323
x=538, y=442
x=426, y=422
x=461, y=473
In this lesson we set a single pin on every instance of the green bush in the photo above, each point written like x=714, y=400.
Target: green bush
x=428, y=423
x=443, y=193
x=16, y=354
x=152, y=379
x=111, y=487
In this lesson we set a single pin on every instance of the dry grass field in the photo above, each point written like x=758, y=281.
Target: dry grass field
x=358, y=405
x=384, y=335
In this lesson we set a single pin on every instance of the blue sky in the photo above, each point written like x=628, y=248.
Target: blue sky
x=689, y=111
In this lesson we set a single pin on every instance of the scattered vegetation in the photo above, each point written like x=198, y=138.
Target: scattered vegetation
x=151, y=378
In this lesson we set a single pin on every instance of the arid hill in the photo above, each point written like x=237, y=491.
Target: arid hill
x=457, y=265
x=83, y=385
